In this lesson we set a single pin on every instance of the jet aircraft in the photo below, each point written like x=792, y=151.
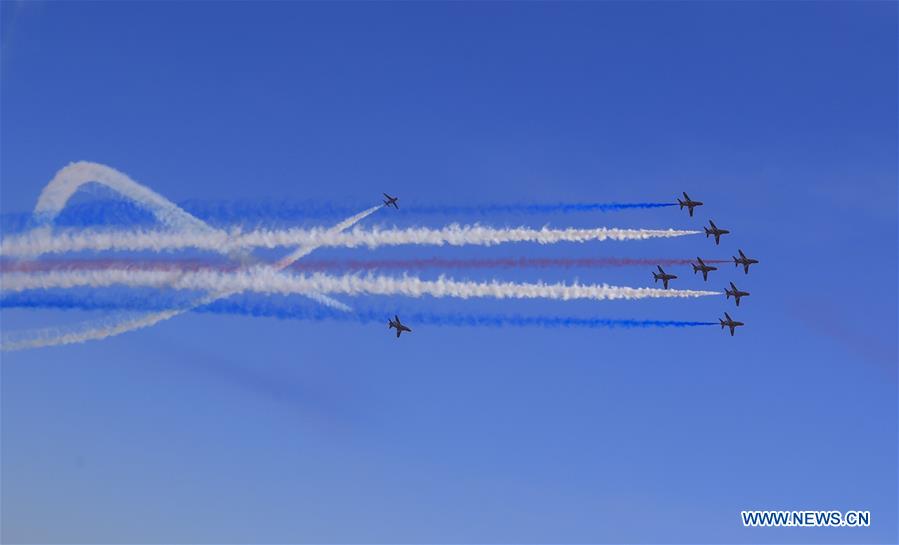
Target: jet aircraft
x=729, y=322
x=689, y=203
x=703, y=267
x=391, y=200
x=663, y=276
x=714, y=230
x=395, y=323
x=735, y=292
x=745, y=261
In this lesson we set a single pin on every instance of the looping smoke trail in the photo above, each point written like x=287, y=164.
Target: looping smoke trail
x=57, y=193
x=287, y=310
x=270, y=280
x=68, y=180
x=38, y=242
x=9, y=266
x=44, y=338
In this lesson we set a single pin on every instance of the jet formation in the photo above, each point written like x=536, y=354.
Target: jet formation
x=700, y=266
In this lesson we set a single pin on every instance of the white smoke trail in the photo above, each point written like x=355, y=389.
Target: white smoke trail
x=44, y=338
x=194, y=233
x=67, y=181
x=57, y=336
x=270, y=280
x=59, y=190
x=38, y=242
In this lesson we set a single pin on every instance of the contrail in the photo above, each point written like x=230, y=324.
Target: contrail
x=39, y=242
x=8, y=266
x=57, y=193
x=271, y=281
x=292, y=311
x=46, y=338
x=187, y=231
x=59, y=190
x=114, y=212
x=68, y=180
x=532, y=208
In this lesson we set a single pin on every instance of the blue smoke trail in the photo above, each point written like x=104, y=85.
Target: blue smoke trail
x=537, y=208
x=116, y=212
x=286, y=310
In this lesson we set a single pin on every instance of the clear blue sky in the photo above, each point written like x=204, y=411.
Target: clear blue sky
x=206, y=428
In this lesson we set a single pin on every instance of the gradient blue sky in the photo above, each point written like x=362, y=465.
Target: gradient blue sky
x=780, y=116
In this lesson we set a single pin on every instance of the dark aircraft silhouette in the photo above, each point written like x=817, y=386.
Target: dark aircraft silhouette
x=396, y=324
x=703, y=267
x=663, y=276
x=735, y=292
x=729, y=322
x=690, y=204
x=714, y=230
x=391, y=200
x=745, y=261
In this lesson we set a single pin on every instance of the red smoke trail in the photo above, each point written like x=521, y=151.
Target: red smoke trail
x=7, y=265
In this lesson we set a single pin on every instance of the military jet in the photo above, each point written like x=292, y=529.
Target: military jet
x=703, y=267
x=391, y=200
x=395, y=323
x=663, y=276
x=689, y=203
x=745, y=261
x=714, y=230
x=735, y=292
x=729, y=322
